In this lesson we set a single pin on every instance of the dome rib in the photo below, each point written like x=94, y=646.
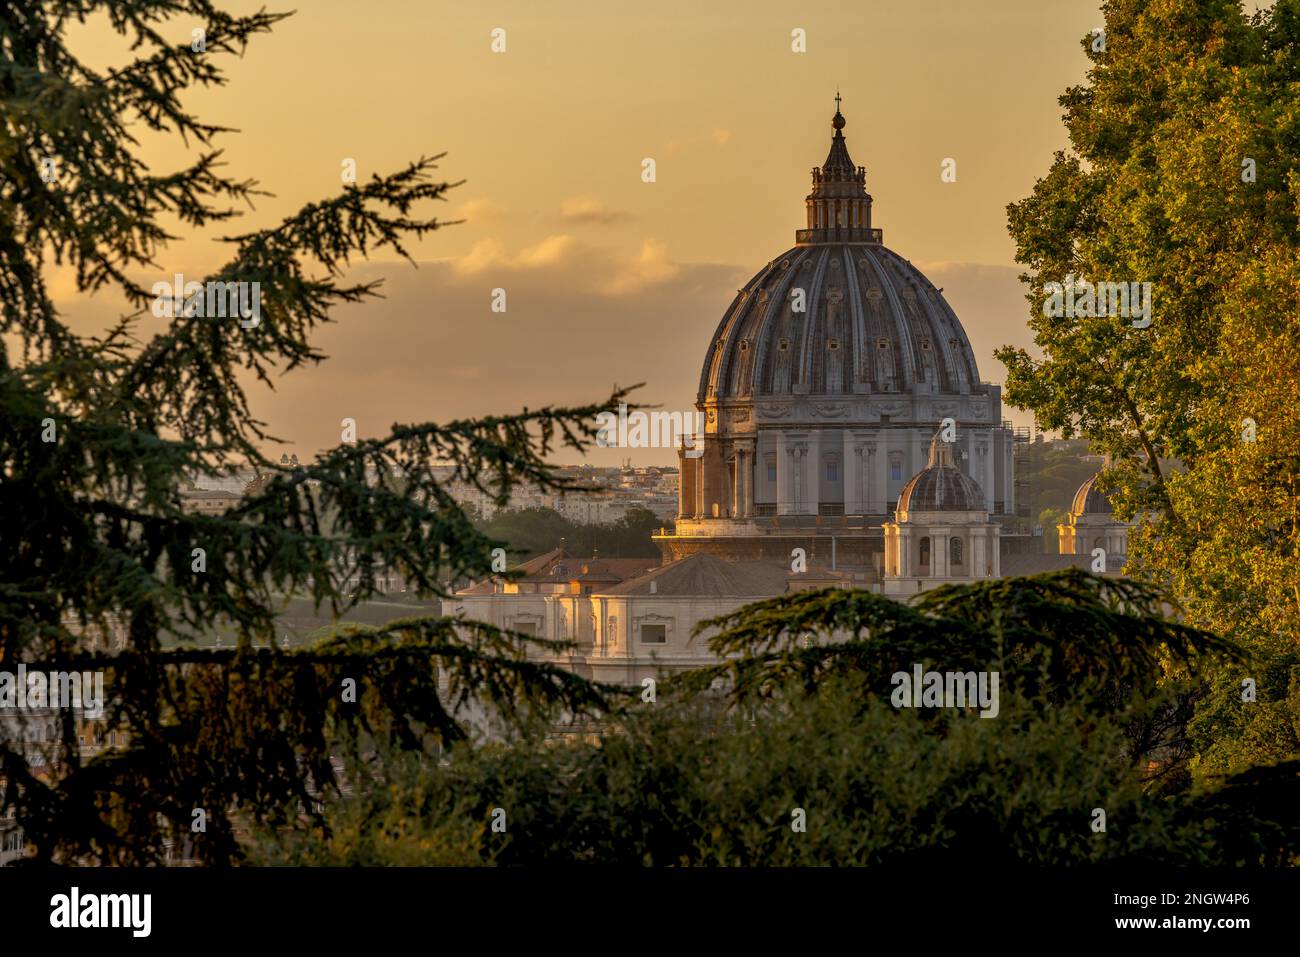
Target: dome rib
x=807, y=329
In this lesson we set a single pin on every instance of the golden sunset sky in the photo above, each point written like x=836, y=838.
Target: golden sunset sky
x=610, y=279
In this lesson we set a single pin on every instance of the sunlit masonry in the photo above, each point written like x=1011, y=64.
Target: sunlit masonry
x=823, y=392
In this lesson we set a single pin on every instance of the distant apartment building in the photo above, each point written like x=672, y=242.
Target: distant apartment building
x=386, y=579
x=232, y=480
x=604, y=496
x=202, y=501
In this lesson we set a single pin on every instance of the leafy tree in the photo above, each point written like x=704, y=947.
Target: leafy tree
x=1184, y=171
x=529, y=532
x=98, y=433
x=1054, y=472
x=629, y=537
x=533, y=531
x=700, y=780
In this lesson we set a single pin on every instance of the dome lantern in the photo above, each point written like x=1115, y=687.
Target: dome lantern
x=839, y=207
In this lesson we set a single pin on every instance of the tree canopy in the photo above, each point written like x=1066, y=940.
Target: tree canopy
x=797, y=757
x=98, y=434
x=1184, y=171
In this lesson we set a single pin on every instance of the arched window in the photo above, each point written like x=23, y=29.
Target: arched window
x=925, y=553
x=954, y=551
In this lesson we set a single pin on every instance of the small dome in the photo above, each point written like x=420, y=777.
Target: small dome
x=1089, y=500
x=941, y=486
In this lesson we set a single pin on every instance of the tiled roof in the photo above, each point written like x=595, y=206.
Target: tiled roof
x=707, y=576
x=557, y=566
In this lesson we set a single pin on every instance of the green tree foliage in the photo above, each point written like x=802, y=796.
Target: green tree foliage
x=700, y=780
x=530, y=532
x=93, y=532
x=1184, y=171
x=1054, y=471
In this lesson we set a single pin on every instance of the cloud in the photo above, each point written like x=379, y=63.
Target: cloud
x=482, y=254
x=651, y=267
x=549, y=252
x=490, y=254
x=433, y=349
x=480, y=210
x=587, y=209
x=721, y=137
x=603, y=270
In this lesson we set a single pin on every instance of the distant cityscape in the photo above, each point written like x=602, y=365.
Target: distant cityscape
x=614, y=492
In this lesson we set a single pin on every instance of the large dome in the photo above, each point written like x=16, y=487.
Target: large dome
x=838, y=313
x=824, y=383
x=871, y=323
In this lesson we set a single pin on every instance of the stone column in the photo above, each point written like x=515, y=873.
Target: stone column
x=685, y=485
x=748, y=465
x=983, y=465
x=784, y=474
x=797, y=456
x=867, y=479
x=815, y=472
x=882, y=470
x=737, y=482
x=855, y=491
x=726, y=498
x=751, y=476
x=699, y=485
